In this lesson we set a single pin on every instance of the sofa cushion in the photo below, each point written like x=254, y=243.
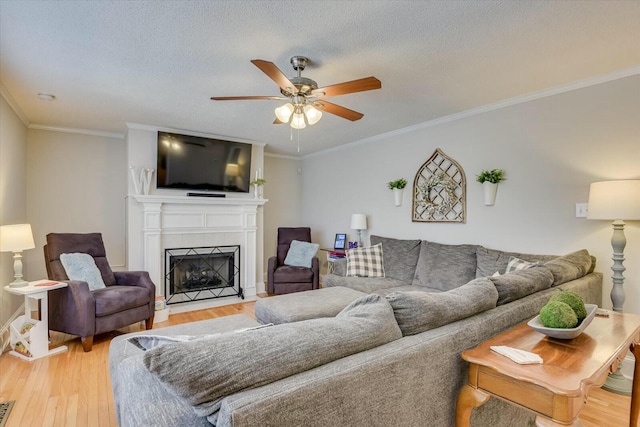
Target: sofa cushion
x=405, y=288
x=570, y=267
x=445, y=267
x=301, y=253
x=491, y=260
x=365, y=262
x=294, y=307
x=417, y=311
x=204, y=372
x=362, y=284
x=520, y=283
x=400, y=257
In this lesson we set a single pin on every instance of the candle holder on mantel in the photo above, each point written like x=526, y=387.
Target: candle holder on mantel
x=257, y=187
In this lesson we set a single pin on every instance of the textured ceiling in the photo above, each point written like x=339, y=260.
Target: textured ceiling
x=159, y=62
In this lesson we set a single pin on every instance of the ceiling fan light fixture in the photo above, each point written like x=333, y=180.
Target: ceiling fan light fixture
x=297, y=122
x=313, y=114
x=284, y=112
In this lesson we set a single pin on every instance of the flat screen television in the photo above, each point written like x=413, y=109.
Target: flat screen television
x=197, y=163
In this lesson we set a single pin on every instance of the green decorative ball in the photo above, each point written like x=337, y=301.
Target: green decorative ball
x=574, y=301
x=558, y=314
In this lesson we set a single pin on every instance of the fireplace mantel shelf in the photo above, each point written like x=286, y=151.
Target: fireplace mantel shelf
x=186, y=200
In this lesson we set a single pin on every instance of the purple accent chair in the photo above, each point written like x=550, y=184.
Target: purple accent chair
x=284, y=279
x=128, y=298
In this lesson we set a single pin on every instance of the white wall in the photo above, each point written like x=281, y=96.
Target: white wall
x=13, y=205
x=284, y=191
x=550, y=148
x=76, y=183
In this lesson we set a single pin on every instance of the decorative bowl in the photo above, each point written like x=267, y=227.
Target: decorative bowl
x=564, y=334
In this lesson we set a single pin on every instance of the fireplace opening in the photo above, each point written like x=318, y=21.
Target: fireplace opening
x=195, y=274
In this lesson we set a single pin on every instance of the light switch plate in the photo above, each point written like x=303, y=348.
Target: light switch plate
x=581, y=210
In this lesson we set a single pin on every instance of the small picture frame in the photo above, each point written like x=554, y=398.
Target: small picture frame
x=340, y=242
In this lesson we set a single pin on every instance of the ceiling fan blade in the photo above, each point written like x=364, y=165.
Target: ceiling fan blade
x=343, y=112
x=360, y=85
x=277, y=122
x=240, y=98
x=274, y=73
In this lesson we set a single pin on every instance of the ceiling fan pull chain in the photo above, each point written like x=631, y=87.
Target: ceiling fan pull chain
x=298, y=140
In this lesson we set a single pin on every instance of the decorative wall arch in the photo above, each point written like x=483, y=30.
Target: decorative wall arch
x=439, y=191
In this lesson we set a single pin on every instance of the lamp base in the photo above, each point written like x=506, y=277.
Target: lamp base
x=18, y=284
x=618, y=384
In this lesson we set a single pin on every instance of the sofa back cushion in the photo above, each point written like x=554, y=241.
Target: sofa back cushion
x=421, y=311
x=490, y=261
x=571, y=266
x=445, y=267
x=400, y=257
x=205, y=371
x=520, y=283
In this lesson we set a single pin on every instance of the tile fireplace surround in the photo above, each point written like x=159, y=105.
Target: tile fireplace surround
x=158, y=222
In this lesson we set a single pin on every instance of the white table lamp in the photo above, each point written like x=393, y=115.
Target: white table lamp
x=16, y=238
x=359, y=223
x=616, y=201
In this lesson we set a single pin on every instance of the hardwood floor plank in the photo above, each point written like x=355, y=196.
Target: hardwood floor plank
x=74, y=388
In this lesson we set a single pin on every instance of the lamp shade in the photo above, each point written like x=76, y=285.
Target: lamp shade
x=614, y=200
x=284, y=113
x=358, y=222
x=16, y=238
x=313, y=115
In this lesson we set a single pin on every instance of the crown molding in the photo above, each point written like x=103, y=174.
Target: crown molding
x=580, y=84
x=152, y=128
x=14, y=105
x=91, y=132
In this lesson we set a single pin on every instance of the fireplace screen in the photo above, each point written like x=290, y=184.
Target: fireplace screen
x=194, y=274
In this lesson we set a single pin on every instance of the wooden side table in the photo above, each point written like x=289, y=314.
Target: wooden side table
x=38, y=336
x=556, y=389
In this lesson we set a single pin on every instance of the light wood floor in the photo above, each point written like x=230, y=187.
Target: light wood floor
x=73, y=388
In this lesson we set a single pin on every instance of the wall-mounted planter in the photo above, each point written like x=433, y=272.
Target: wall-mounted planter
x=397, y=196
x=490, y=191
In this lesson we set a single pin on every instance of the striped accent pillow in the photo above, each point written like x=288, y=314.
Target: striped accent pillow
x=365, y=262
x=516, y=264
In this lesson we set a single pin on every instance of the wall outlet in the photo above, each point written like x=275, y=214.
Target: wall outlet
x=581, y=210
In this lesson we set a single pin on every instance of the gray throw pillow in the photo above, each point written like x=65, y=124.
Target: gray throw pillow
x=82, y=267
x=520, y=283
x=301, y=254
x=400, y=257
x=445, y=267
x=421, y=311
x=205, y=371
x=570, y=267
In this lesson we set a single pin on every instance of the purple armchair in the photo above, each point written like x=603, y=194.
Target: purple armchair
x=284, y=279
x=129, y=297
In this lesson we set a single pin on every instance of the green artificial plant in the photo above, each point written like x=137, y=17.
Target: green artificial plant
x=494, y=176
x=399, y=183
x=259, y=181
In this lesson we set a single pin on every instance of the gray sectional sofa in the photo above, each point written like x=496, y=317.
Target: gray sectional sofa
x=434, y=302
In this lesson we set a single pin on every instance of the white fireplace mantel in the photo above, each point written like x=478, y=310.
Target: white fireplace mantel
x=168, y=221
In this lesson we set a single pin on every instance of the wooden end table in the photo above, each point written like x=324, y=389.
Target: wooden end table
x=557, y=389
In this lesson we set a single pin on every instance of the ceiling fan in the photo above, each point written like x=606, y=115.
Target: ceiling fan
x=306, y=99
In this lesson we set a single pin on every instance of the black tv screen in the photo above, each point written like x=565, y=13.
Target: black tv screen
x=196, y=163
